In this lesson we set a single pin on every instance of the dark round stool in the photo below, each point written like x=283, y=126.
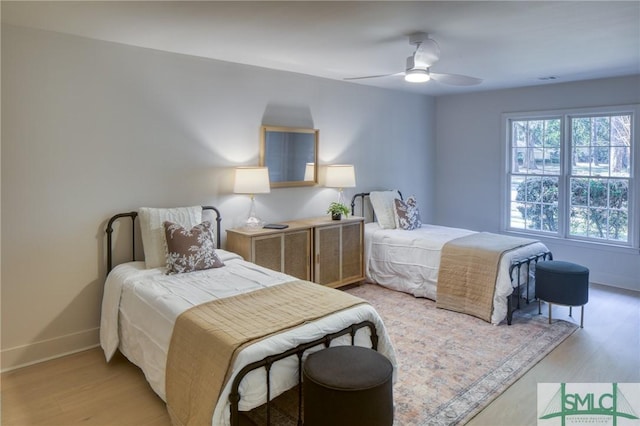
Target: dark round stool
x=562, y=283
x=347, y=385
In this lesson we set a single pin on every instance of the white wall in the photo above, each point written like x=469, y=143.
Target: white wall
x=93, y=128
x=469, y=168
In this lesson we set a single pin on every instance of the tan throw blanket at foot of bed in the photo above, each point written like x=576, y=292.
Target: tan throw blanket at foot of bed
x=469, y=269
x=207, y=338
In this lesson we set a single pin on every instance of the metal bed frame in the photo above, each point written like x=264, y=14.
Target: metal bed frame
x=516, y=282
x=267, y=362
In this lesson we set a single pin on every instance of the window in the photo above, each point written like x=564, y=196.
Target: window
x=570, y=174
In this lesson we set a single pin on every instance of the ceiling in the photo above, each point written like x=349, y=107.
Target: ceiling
x=507, y=44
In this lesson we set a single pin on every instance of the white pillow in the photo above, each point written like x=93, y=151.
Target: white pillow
x=384, y=207
x=152, y=228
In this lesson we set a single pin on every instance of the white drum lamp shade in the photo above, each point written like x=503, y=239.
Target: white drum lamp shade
x=252, y=180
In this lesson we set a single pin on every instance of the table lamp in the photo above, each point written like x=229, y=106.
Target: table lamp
x=252, y=180
x=340, y=176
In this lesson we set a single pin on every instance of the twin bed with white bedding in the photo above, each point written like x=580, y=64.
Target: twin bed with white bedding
x=142, y=305
x=409, y=260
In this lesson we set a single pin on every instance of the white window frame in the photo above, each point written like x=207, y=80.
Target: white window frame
x=565, y=167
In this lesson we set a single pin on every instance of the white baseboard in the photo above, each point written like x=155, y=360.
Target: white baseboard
x=44, y=350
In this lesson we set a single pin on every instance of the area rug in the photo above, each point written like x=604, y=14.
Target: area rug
x=452, y=365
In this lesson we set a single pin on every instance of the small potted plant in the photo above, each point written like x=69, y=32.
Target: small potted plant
x=337, y=210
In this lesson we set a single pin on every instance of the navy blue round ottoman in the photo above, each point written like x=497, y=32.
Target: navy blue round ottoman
x=347, y=386
x=562, y=283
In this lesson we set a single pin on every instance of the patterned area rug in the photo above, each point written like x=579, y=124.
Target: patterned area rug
x=451, y=365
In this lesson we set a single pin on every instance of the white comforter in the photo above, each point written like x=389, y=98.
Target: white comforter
x=409, y=261
x=140, y=306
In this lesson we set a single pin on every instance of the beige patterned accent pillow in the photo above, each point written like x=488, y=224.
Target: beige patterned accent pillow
x=407, y=214
x=190, y=250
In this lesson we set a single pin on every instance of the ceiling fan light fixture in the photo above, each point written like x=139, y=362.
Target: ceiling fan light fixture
x=417, y=76
x=419, y=64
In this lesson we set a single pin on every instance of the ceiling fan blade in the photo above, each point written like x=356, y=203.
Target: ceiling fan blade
x=372, y=76
x=427, y=53
x=455, y=79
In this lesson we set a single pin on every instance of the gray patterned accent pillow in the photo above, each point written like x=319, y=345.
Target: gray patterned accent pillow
x=190, y=249
x=407, y=214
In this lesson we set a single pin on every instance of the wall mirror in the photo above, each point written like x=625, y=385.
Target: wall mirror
x=291, y=154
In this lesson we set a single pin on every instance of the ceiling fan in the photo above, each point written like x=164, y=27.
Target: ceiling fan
x=418, y=70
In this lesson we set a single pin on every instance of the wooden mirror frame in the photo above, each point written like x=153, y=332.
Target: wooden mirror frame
x=275, y=169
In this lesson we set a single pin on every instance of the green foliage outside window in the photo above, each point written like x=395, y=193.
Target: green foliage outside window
x=539, y=203
x=598, y=206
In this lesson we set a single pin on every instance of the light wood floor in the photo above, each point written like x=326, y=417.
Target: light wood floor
x=83, y=389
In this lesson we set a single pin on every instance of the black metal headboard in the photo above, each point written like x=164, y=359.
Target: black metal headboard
x=362, y=196
x=133, y=216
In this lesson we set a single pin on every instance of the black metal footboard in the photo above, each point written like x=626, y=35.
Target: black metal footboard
x=266, y=363
x=517, y=283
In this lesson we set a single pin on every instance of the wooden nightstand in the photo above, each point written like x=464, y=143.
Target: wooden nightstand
x=325, y=251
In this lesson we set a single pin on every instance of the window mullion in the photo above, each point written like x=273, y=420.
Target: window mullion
x=566, y=153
